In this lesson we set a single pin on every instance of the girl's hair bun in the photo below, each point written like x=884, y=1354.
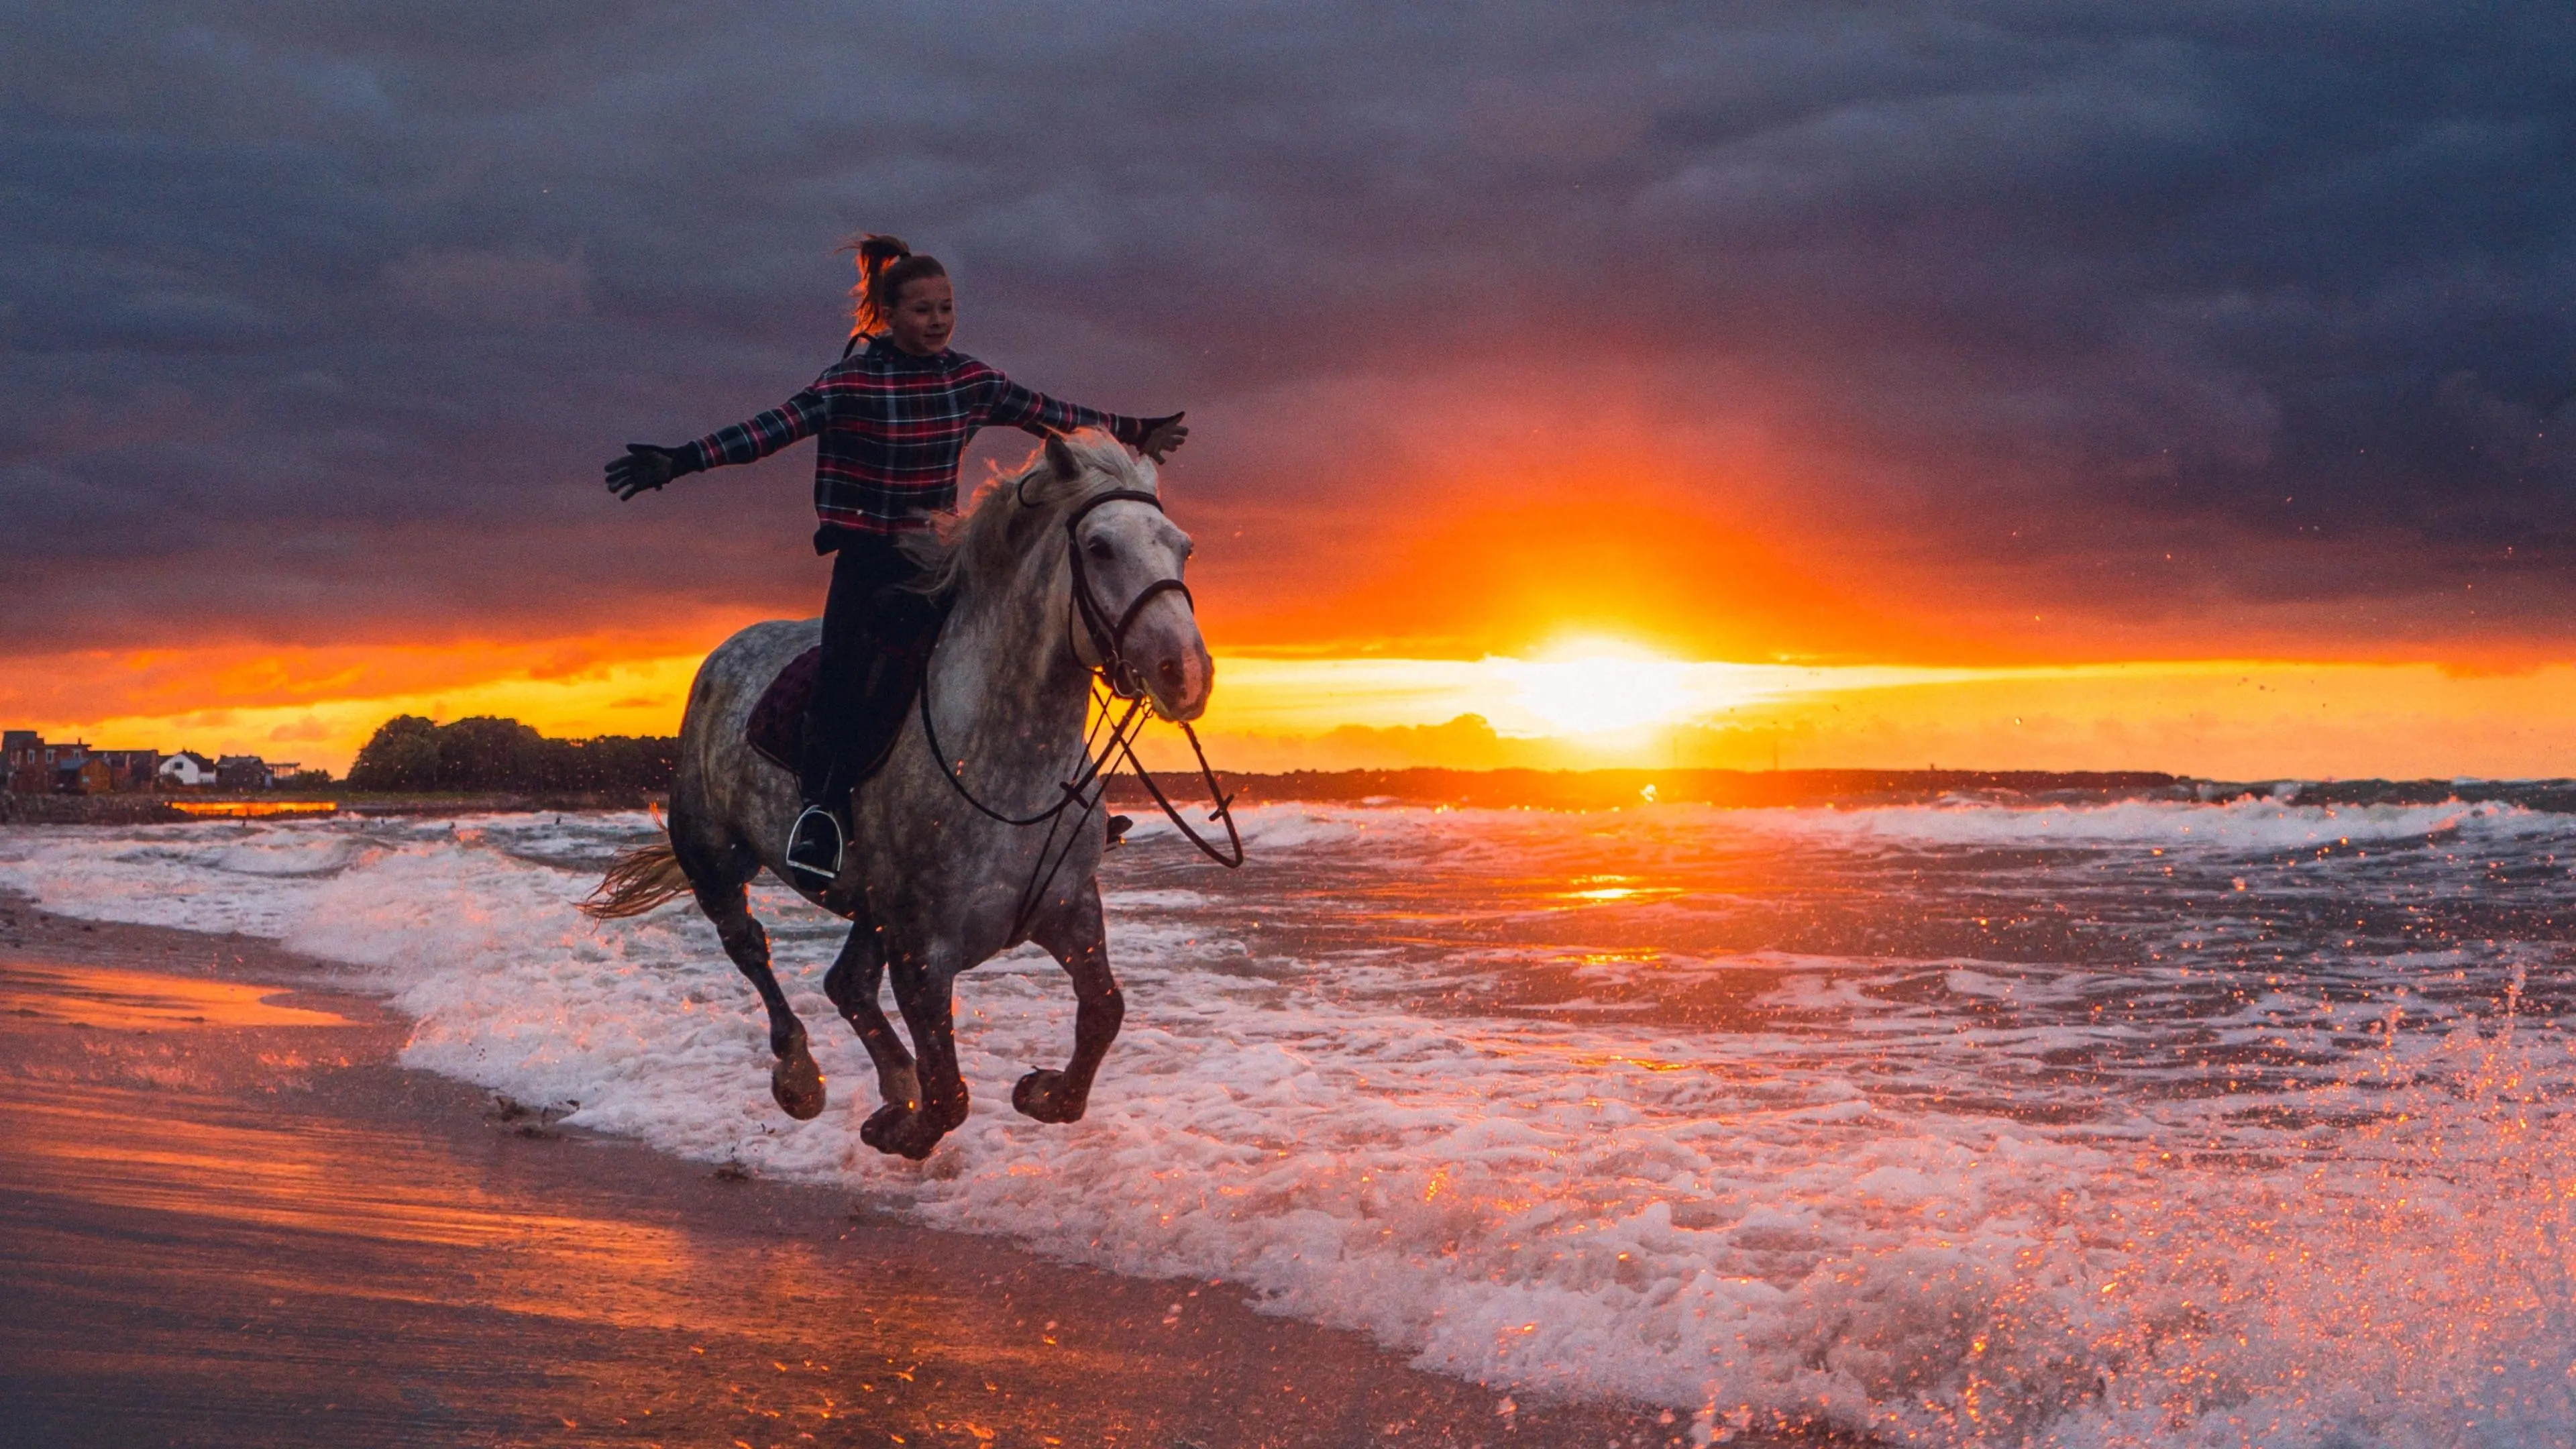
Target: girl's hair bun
x=875, y=248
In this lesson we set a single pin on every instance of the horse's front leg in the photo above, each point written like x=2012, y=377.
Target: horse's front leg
x=926, y=995
x=1079, y=941
x=794, y=1080
x=852, y=984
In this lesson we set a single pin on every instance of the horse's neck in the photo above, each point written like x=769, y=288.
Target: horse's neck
x=1006, y=674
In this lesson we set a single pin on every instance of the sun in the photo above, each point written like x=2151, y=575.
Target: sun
x=1599, y=687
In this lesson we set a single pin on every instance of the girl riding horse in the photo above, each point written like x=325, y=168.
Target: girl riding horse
x=893, y=417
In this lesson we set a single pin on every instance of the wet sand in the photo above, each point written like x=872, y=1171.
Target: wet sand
x=226, y=1217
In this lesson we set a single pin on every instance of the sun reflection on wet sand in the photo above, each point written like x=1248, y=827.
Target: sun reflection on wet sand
x=143, y=1000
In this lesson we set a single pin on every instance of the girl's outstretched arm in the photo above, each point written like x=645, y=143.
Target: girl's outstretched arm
x=1005, y=403
x=647, y=466
x=800, y=416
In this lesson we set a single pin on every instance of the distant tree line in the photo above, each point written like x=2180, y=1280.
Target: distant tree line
x=408, y=752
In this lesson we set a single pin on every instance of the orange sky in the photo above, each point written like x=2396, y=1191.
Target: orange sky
x=1380, y=601
x=1392, y=637
x=1421, y=637
x=2235, y=720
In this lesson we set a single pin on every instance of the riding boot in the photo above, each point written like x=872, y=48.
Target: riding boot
x=877, y=713
x=874, y=629
x=846, y=741
x=816, y=841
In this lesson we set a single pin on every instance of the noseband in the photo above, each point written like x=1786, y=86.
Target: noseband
x=1108, y=636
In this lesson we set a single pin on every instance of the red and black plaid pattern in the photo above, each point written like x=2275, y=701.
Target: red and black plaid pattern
x=892, y=428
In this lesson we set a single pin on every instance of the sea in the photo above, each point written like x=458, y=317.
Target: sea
x=2093, y=1121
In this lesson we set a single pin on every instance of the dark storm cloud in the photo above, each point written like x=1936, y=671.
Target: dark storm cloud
x=318, y=319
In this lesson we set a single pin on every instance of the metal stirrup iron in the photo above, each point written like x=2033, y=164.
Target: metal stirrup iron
x=796, y=836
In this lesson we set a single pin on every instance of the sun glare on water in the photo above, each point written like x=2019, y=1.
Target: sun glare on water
x=1601, y=688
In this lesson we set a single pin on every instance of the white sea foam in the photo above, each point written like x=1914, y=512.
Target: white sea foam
x=1745, y=1223
x=2248, y=824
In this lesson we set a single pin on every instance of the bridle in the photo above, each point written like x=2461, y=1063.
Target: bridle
x=1109, y=645
x=1108, y=637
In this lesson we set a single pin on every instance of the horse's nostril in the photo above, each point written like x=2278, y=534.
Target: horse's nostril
x=1170, y=669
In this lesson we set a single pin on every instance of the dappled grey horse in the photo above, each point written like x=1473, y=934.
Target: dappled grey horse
x=1068, y=561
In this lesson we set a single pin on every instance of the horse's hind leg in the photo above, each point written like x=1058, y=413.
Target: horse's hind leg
x=852, y=984
x=794, y=1079
x=1079, y=941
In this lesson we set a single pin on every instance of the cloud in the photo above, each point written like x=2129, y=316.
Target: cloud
x=2049, y=329
x=491, y=289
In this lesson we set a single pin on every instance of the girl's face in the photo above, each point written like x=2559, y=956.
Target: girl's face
x=925, y=312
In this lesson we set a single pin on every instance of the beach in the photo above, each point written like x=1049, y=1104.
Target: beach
x=230, y=1218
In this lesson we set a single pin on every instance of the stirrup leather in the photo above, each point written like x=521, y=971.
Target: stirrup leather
x=804, y=861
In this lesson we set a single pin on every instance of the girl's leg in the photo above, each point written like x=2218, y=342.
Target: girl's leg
x=814, y=845
x=859, y=573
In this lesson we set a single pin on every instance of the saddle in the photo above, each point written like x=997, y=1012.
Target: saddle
x=776, y=729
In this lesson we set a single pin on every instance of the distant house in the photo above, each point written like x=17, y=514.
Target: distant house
x=188, y=770
x=83, y=772
x=31, y=765
x=241, y=772
x=129, y=769
x=23, y=768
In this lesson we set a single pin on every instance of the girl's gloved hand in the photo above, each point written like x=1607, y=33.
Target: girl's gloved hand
x=1162, y=435
x=644, y=466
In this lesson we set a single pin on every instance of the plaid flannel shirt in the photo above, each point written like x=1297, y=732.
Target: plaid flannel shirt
x=892, y=428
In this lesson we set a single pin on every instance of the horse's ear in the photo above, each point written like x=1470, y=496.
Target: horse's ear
x=1061, y=459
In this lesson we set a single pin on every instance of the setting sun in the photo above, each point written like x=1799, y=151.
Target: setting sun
x=1598, y=687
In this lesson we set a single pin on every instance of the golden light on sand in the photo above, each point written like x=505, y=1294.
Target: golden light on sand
x=1593, y=687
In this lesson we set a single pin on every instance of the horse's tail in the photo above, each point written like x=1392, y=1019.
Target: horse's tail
x=637, y=881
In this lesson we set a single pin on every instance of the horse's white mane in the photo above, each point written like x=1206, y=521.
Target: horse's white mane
x=1010, y=513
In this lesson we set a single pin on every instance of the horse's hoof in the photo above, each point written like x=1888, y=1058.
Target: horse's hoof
x=900, y=1132
x=1041, y=1095
x=878, y=1129
x=890, y=1130
x=798, y=1084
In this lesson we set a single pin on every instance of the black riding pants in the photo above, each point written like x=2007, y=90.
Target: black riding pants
x=877, y=631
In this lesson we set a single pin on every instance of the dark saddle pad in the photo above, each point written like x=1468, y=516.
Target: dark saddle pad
x=777, y=725
x=777, y=728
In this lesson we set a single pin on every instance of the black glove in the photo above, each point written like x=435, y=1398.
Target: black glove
x=1151, y=426
x=644, y=466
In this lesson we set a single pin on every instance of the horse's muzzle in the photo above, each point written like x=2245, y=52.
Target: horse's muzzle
x=1172, y=661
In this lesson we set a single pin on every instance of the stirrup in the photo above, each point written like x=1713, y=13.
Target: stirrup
x=1118, y=828
x=810, y=863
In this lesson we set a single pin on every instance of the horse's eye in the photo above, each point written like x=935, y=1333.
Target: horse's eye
x=1099, y=549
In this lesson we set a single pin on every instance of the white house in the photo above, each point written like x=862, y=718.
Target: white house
x=187, y=769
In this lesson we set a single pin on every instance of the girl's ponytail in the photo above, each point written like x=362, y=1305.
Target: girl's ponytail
x=885, y=265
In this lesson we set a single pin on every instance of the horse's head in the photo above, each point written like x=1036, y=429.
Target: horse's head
x=1133, y=613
